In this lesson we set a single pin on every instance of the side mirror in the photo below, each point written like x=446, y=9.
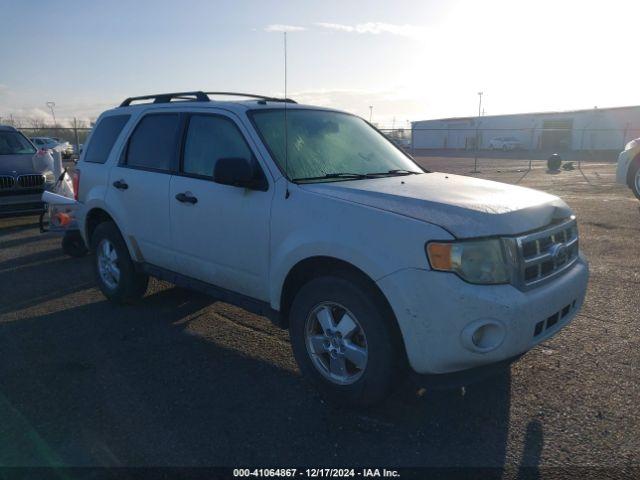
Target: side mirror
x=238, y=172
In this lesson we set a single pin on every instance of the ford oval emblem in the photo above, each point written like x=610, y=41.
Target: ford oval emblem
x=559, y=252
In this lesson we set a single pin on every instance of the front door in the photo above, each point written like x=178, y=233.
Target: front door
x=220, y=233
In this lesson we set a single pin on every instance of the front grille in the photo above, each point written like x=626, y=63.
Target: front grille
x=6, y=182
x=21, y=207
x=547, y=253
x=13, y=192
x=31, y=181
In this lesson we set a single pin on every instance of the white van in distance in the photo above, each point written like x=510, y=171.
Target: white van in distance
x=311, y=217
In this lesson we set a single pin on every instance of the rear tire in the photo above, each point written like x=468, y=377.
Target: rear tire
x=344, y=340
x=73, y=244
x=114, y=270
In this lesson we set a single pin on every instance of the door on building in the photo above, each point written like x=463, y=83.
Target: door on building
x=556, y=134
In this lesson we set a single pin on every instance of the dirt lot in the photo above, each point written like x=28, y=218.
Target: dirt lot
x=180, y=379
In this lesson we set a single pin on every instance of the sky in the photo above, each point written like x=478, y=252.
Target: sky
x=409, y=60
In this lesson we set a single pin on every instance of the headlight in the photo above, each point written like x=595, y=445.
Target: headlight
x=476, y=261
x=632, y=144
x=49, y=177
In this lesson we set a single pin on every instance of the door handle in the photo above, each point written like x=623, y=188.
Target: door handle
x=186, y=198
x=120, y=184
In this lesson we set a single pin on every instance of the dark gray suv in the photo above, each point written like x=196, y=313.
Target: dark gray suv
x=21, y=183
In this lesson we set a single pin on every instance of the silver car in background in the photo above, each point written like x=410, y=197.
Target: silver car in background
x=50, y=143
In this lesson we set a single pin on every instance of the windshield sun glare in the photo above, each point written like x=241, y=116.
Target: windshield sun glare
x=326, y=145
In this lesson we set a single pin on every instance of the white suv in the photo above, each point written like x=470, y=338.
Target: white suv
x=311, y=217
x=628, y=167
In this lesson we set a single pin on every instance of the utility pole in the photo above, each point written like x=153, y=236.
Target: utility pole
x=475, y=161
x=75, y=132
x=51, y=106
x=370, y=112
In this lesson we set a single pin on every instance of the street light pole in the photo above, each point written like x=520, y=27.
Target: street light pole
x=475, y=160
x=370, y=112
x=51, y=106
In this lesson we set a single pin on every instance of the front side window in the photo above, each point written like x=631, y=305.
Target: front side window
x=210, y=138
x=103, y=138
x=329, y=145
x=153, y=144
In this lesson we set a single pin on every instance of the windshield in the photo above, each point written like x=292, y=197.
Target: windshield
x=14, y=143
x=329, y=145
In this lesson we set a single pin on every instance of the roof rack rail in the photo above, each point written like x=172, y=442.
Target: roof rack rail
x=199, y=97
x=251, y=95
x=167, y=97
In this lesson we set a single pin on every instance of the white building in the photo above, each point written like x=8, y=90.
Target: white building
x=594, y=129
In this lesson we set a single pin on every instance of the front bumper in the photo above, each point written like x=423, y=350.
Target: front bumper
x=437, y=310
x=21, y=204
x=622, y=168
x=624, y=163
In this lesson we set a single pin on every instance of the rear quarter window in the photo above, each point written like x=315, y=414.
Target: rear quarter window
x=153, y=144
x=103, y=138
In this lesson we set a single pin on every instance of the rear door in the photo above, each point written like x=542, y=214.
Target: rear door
x=223, y=238
x=138, y=188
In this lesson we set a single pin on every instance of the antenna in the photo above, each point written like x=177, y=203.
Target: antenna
x=286, y=128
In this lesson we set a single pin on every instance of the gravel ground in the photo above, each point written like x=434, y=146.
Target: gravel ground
x=180, y=379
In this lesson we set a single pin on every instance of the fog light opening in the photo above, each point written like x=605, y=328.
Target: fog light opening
x=483, y=336
x=486, y=337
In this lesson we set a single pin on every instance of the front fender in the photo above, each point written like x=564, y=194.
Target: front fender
x=377, y=242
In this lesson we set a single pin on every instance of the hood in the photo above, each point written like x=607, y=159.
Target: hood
x=465, y=206
x=20, y=164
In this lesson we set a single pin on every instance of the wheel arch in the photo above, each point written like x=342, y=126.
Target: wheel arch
x=95, y=217
x=317, y=266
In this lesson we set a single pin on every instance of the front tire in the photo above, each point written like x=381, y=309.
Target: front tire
x=634, y=178
x=114, y=270
x=344, y=340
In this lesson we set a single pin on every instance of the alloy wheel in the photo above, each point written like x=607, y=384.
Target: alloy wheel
x=108, y=264
x=336, y=343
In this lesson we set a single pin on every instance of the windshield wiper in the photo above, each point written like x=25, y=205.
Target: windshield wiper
x=357, y=176
x=399, y=171
x=345, y=175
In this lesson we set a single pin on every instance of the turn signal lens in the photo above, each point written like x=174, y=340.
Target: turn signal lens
x=440, y=256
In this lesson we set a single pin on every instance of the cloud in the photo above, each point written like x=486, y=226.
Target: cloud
x=374, y=28
x=276, y=27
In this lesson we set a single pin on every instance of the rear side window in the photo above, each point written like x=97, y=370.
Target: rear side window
x=210, y=138
x=152, y=145
x=103, y=138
